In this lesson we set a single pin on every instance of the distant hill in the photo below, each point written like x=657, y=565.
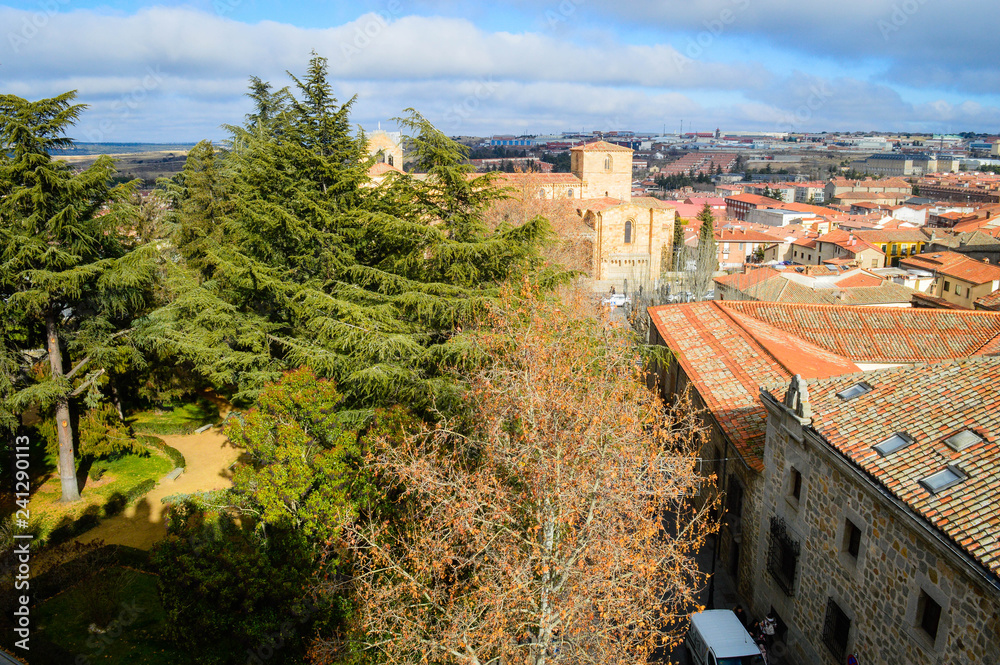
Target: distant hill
x=121, y=148
x=154, y=161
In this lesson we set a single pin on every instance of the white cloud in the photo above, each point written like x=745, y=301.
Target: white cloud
x=179, y=73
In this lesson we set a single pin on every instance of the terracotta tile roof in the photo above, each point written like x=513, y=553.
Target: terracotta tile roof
x=755, y=199
x=726, y=367
x=929, y=403
x=795, y=355
x=729, y=348
x=953, y=264
x=601, y=146
x=852, y=242
x=970, y=225
x=867, y=196
x=860, y=278
x=886, y=293
x=598, y=205
x=541, y=178
x=382, y=168
x=991, y=301
x=740, y=235
x=927, y=300
x=650, y=202
x=776, y=288
x=894, y=235
x=881, y=334
x=747, y=279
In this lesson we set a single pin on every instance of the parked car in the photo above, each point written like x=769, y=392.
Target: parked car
x=716, y=637
x=616, y=300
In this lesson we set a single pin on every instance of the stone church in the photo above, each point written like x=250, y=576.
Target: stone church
x=623, y=237
x=629, y=235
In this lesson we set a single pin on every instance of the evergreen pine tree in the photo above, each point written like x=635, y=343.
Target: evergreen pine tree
x=71, y=277
x=708, y=258
x=308, y=264
x=678, y=246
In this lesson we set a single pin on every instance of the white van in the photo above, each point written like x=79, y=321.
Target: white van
x=717, y=637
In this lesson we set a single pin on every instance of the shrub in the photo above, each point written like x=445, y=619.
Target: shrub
x=117, y=502
x=155, y=442
x=97, y=471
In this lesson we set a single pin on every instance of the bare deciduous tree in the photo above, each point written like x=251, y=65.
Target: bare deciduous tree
x=557, y=527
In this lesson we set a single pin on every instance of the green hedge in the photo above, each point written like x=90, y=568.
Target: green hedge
x=161, y=445
x=166, y=429
x=117, y=502
x=178, y=419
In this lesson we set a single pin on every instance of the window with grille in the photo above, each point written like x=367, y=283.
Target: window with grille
x=782, y=556
x=836, y=630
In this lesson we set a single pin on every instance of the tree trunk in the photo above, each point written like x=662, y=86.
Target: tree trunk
x=64, y=427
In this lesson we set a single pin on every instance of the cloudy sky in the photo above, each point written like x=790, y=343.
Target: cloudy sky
x=176, y=72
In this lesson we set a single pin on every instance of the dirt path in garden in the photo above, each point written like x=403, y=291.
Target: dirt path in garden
x=208, y=456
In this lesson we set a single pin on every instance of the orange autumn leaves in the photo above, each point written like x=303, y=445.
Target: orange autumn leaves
x=553, y=521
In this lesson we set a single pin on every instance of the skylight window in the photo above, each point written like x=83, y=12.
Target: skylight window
x=947, y=477
x=962, y=440
x=897, y=441
x=856, y=390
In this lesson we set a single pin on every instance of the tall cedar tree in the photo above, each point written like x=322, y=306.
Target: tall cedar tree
x=679, y=250
x=71, y=277
x=556, y=525
x=306, y=263
x=708, y=257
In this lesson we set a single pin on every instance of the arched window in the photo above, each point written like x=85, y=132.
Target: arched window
x=569, y=193
x=607, y=162
x=541, y=193
x=390, y=161
x=628, y=231
x=380, y=157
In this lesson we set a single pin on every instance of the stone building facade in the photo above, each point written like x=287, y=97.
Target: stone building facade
x=851, y=565
x=843, y=539
x=386, y=147
x=631, y=238
x=604, y=170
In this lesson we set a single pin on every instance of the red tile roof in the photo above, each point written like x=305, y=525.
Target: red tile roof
x=859, y=279
x=991, y=301
x=929, y=403
x=953, y=264
x=745, y=280
x=381, y=168
x=726, y=367
x=882, y=334
x=729, y=348
x=754, y=199
x=740, y=235
x=541, y=178
x=601, y=146
x=894, y=235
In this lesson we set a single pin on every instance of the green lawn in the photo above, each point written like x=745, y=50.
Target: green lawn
x=175, y=419
x=128, y=605
x=122, y=475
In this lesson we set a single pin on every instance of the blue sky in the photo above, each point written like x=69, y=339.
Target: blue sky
x=173, y=72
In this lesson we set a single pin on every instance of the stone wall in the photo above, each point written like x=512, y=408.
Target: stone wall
x=884, y=589
x=591, y=167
